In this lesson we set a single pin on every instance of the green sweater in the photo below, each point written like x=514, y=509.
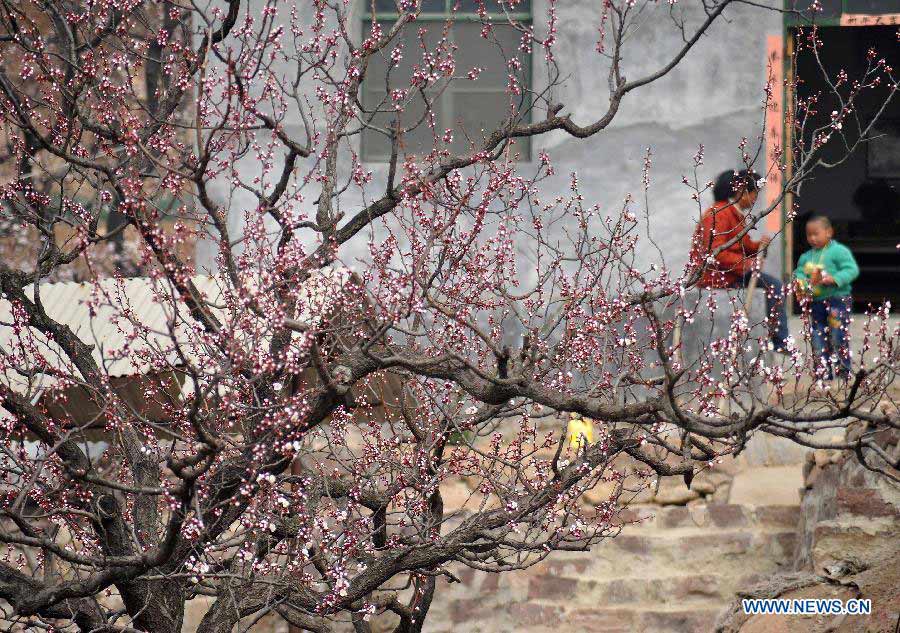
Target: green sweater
x=835, y=259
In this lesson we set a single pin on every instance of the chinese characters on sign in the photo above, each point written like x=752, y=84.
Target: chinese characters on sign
x=863, y=19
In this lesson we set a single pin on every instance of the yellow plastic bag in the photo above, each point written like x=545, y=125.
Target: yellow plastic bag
x=580, y=431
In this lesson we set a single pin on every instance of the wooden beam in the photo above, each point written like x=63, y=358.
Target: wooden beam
x=789, y=112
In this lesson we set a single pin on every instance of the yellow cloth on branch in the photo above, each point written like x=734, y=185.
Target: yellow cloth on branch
x=581, y=431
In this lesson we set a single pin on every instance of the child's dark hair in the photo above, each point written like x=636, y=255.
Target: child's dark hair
x=730, y=183
x=820, y=219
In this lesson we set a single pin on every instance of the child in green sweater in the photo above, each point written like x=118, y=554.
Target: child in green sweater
x=825, y=273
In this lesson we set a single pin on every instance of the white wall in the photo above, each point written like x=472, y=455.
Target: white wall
x=714, y=97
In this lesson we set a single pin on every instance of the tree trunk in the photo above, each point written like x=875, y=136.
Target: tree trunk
x=156, y=606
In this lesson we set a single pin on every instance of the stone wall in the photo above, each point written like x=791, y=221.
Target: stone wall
x=671, y=573
x=848, y=511
x=848, y=547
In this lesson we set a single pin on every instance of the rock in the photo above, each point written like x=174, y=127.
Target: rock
x=720, y=477
x=384, y=622
x=703, y=487
x=888, y=408
x=822, y=457
x=865, y=502
x=675, y=496
x=728, y=516
x=844, y=568
x=643, y=495
x=855, y=430
x=694, y=515
x=721, y=494
x=809, y=465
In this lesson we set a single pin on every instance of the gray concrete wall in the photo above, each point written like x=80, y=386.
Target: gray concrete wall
x=714, y=98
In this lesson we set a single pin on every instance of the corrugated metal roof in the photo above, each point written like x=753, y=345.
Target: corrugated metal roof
x=110, y=313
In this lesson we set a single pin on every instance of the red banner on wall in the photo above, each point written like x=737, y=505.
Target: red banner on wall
x=774, y=128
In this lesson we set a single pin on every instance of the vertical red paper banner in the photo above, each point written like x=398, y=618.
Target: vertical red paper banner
x=774, y=128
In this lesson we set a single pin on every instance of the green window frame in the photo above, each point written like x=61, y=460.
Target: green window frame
x=374, y=147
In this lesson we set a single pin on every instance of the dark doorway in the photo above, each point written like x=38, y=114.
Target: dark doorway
x=862, y=194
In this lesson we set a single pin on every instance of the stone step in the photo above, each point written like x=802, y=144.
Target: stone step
x=533, y=617
x=703, y=517
x=641, y=593
x=612, y=620
x=720, y=552
x=740, y=552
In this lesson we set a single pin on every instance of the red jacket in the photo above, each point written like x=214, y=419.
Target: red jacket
x=718, y=225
